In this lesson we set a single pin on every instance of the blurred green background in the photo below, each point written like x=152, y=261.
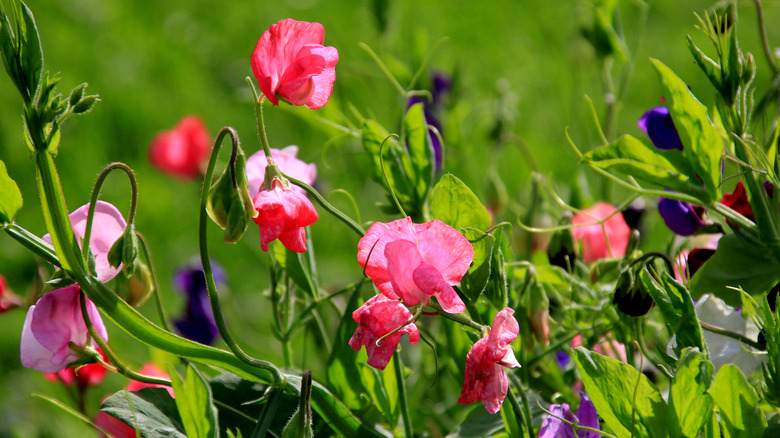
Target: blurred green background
x=524, y=64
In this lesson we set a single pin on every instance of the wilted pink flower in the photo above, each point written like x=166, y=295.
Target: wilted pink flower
x=108, y=225
x=83, y=377
x=282, y=213
x=485, y=374
x=291, y=63
x=378, y=317
x=54, y=330
x=182, y=150
x=288, y=164
x=416, y=261
x=598, y=242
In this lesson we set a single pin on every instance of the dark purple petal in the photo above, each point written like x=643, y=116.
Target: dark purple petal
x=563, y=358
x=442, y=84
x=658, y=125
x=588, y=417
x=680, y=217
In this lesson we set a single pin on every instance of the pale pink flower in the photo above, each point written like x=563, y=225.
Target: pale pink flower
x=291, y=63
x=108, y=225
x=378, y=317
x=181, y=151
x=416, y=261
x=598, y=242
x=54, y=326
x=288, y=164
x=485, y=374
x=282, y=213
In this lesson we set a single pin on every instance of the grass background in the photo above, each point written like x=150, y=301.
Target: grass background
x=153, y=62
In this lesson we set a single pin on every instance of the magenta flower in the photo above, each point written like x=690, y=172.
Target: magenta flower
x=181, y=151
x=108, y=225
x=378, y=317
x=288, y=164
x=55, y=333
x=282, y=213
x=291, y=63
x=485, y=374
x=553, y=427
x=598, y=242
x=416, y=261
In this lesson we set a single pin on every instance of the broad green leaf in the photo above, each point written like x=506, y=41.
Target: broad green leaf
x=478, y=424
x=737, y=401
x=690, y=406
x=153, y=412
x=476, y=278
x=453, y=203
x=625, y=399
x=383, y=389
x=420, y=149
x=737, y=263
x=195, y=403
x=10, y=196
x=666, y=168
x=300, y=425
x=373, y=136
x=703, y=146
x=675, y=303
x=32, y=54
x=342, y=364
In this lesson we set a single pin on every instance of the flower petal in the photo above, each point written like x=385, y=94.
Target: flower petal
x=402, y=260
x=429, y=280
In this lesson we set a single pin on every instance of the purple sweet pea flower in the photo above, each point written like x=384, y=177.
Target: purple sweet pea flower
x=197, y=323
x=681, y=217
x=658, y=125
x=441, y=86
x=54, y=330
x=553, y=427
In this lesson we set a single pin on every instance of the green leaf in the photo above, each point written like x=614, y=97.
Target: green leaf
x=675, y=303
x=703, y=146
x=420, y=149
x=293, y=263
x=690, y=406
x=453, y=203
x=373, y=136
x=737, y=401
x=195, y=403
x=499, y=283
x=10, y=196
x=32, y=54
x=342, y=364
x=476, y=278
x=625, y=399
x=737, y=263
x=477, y=424
x=383, y=390
x=666, y=168
x=710, y=68
x=151, y=411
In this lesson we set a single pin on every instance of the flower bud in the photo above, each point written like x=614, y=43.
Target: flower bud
x=76, y=94
x=139, y=285
x=228, y=203
x=630, y=296
x=560, y=249
x=85, y=104
x=539, y=313
x=125, y=249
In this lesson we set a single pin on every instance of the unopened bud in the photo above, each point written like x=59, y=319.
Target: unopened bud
x=125, y=249
x=76, y=94
x=560, y=249
x=228, y=202
x=139, y=285
x=630, y=296
x=85, y=104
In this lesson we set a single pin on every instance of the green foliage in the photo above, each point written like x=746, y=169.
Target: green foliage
x=420, y=158
x=690, y=405
x=737, y=402
x=453, y=203
x=195, y=403
x=150, y=411
x=10, y=196
x=476, y=278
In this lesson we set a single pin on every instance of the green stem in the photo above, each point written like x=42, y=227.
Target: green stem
x=258, y=100
x=32, y=242
x=457, y=317
x=402, y=401
x=764, y=41
x=729, y=334
x=529, y=426
x=517, y=408
x=327, y=206
x=206, y=262
x=157, y=298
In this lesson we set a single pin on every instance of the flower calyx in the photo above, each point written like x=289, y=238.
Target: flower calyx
x=228, y=201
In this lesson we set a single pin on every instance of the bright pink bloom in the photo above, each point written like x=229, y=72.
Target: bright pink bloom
x=151, y=370
x=181, y=151
x=291, y=63
x=598, y=242
x=114, y=426
x=108, y=225
x=282, y=213
x=485, y=363
x=288, y=164
x=52, y=325
x=84, y=377
x=378, y=317
x=416, y=261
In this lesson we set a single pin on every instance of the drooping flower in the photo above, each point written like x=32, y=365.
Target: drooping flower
x=54, y=333
x=83, y=377
x=8, y=299
x=683, y=218
x=181, y=151
x=601, y=241
x=416, y=261
x=288, y=164
x=554, y=427
x=485, y=374
x=282, y=213
x=108, y=225
x=378, y=317
x=197, y=323
x=657, y=123
x=290, y=62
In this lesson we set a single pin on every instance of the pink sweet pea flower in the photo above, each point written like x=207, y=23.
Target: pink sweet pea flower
x=288, y=164
x=108, y=225
x=54, y=326
x=182, y=150
x=595, y=244
x=378, y=317
x=83, y=377
x=485, y=374
x=113, y=426
x=416, y=261
x=291, y=63
x=282, y=213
